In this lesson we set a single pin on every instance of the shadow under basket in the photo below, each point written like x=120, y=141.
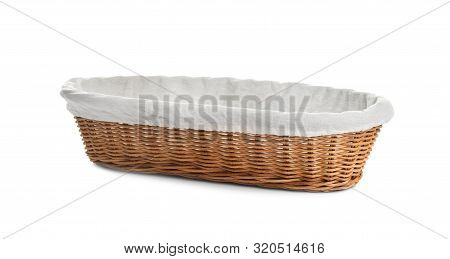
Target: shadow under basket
x=324, y=163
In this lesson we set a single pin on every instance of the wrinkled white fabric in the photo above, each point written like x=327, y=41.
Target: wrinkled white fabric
x=226, y=104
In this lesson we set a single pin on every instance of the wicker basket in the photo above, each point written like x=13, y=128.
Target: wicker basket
x=310, y=163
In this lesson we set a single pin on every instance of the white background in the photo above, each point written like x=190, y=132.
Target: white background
x=43, y=165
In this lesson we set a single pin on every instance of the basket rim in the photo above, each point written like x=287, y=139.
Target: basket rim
x=96, y=105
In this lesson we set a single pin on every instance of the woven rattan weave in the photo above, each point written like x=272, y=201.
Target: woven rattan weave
x=324, y=163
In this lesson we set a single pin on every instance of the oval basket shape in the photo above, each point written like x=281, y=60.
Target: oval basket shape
x=264, y=133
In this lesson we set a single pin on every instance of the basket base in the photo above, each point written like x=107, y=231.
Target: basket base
x=147, y=169
x=325, y=163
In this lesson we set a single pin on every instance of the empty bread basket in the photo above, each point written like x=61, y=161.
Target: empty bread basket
x=270, y=134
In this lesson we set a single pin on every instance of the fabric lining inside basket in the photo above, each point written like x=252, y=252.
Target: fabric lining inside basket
x=322, y=99
x=231, y=104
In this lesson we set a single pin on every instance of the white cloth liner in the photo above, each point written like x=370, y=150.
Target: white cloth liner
x=327, y=110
